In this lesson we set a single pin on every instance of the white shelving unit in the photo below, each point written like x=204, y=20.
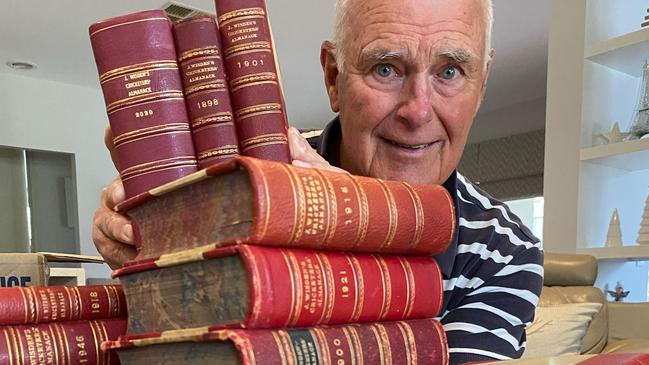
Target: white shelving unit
x=596, y=56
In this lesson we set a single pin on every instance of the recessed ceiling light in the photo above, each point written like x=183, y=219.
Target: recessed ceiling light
x=21, y=65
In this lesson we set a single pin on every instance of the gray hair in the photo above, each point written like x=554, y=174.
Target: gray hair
x=341, y=29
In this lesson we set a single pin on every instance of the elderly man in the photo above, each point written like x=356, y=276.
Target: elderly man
x=407, y=78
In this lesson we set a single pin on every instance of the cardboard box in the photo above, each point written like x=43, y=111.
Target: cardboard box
x=23, y=269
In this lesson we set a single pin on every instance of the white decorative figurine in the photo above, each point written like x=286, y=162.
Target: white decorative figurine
x=614, y=235
x=643, y=233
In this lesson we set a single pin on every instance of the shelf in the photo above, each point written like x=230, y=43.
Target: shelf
x=624, y=253
x=629, y=155
x=626, y=53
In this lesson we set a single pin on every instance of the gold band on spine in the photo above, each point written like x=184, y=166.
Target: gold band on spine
x=411, y=293
x=419, y=216
x=332, y=208
x=127, y=23
x=252, y=79
x=263, y=138
x=280, y=348
x=16, y=346
x=75, y=306
x=292, y=276
x=248, y=47
x=256, y=309
x=97, y=341
x=104, y=332
x=223, y=151
x=356, y=340
x=393, y=214
x=286, y=344
x=409, y=339
x=299, y=218
x=210, y=85
x=149, y=131
x=360, y=288
x=137, y=67
x=386, y=348
x=263, y=145
x=330, y=283
x=9, y=349
x=27, y=304
x=37, y=310
x=386, y=278
x=363, y=216
x=241, y=12
x=158, y=95
x=174, y=162
x=299, y=285
x=248, y=111
x=318, y=335
x=379, y=343
x=199, y=52
x=212, y=118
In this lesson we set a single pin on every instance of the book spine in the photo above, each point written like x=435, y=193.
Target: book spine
x=298, y=288
x=403, y=342
x=60, y=343
x=617, y=358
x=326, y=210
x=139, y=76
x=60, y=303
x=206, y=92
x=255, y=89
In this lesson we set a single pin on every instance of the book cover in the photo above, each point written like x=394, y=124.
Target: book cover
x=248, y=200
x=268, y=287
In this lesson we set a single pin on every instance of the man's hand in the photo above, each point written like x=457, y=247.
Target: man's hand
x=111, y=231
x=305, y=156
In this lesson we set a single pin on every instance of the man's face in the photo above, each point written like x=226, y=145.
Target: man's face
x=413, y=78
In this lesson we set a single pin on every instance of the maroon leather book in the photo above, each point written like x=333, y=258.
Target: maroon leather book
x=139, y=77
x=268, y=287
x=63, y=343
x=253, y=78
x=420, y=341
x=248, y=200
x=60, y=303
x=206, y=91
x=617, y=359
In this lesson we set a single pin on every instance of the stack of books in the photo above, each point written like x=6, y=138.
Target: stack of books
x=234, y=257
x=165, y=85
x=249, y=260
x=60, y=324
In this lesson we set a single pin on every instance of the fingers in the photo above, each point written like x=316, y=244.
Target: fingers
x=305, y=156
x=112, y=232
x=108, y=141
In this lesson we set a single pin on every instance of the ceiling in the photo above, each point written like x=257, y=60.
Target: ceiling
x=54, y=35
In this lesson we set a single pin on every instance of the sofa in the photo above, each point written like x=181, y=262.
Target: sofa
x=609, y=328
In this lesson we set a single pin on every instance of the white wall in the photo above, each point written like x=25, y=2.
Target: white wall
x=52, y=116
x=519, y=118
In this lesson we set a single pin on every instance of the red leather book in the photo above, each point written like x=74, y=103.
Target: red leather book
x=64, y=343
x=269, y=287
x=255, y=89
x=60, y=303
x=406, y=342
x=139, y=76
x=206, y=91
x=617, y=359
x=248, y=200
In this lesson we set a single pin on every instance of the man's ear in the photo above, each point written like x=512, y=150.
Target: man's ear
x=490, y=63
x=330, y=70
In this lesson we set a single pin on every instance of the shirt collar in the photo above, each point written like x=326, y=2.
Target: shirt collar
x=329, y=147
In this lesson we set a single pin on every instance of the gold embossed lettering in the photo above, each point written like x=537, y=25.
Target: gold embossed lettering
x=250, y=63
x=143, y=113
x=207, y=103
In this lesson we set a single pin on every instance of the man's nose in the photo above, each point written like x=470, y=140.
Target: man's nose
x=416, y=107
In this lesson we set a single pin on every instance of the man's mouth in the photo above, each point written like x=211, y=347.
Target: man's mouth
x=413, y=147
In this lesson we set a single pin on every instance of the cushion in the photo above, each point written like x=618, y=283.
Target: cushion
x=558, y=330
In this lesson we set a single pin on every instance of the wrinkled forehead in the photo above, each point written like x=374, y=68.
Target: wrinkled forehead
x=376, y=17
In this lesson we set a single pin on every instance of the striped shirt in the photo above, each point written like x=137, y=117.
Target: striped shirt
x=492, y=272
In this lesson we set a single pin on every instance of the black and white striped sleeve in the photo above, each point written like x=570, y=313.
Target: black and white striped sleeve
x=496, y=281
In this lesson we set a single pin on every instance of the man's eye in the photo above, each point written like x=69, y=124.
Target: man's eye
x=449, y=72
x=384, y=70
